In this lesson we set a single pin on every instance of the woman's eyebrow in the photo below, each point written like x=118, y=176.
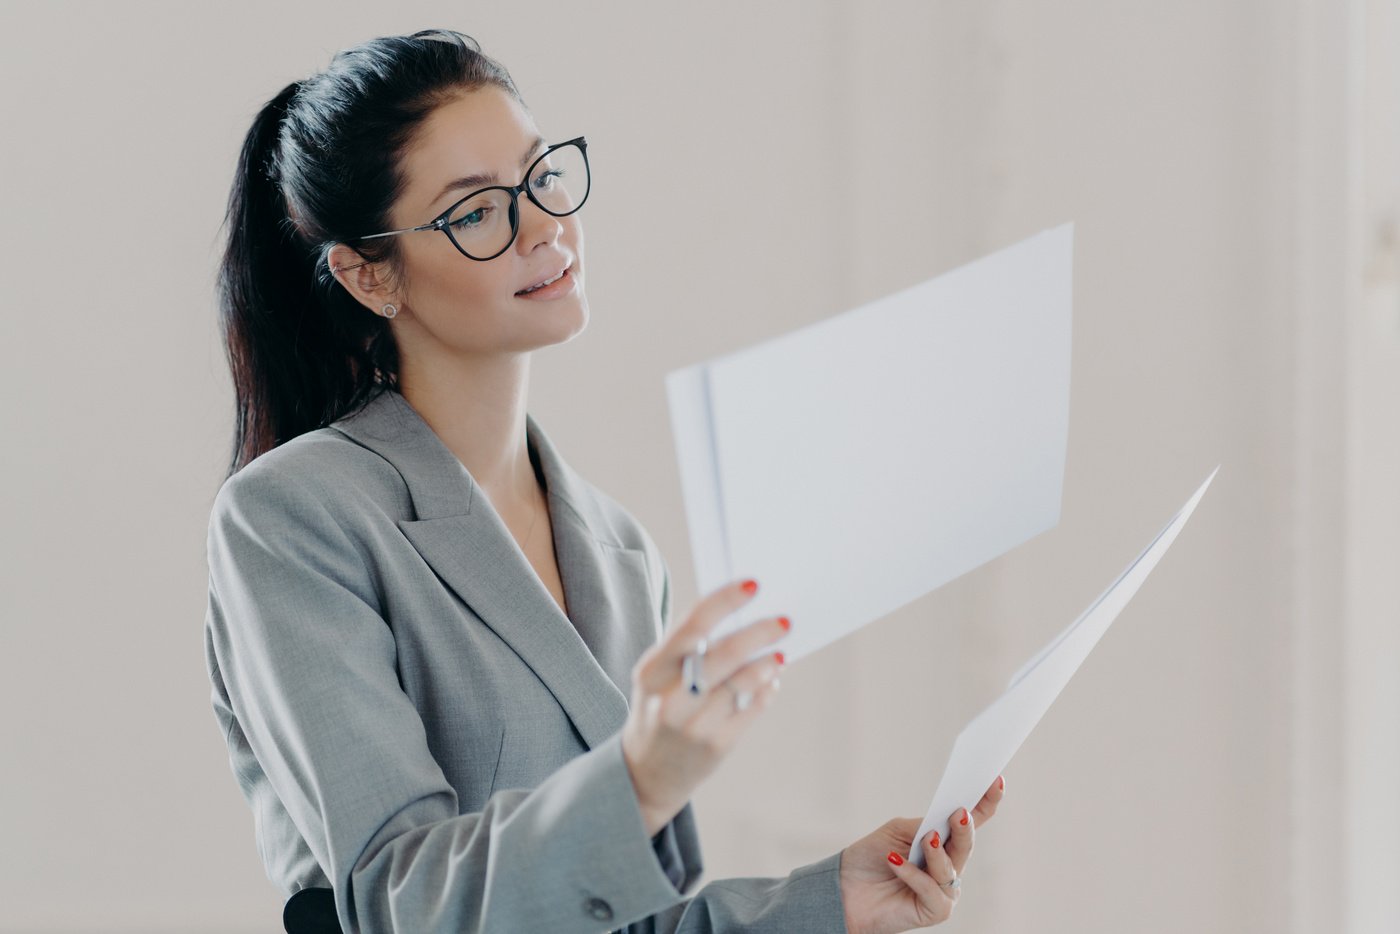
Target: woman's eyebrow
x=481, y=180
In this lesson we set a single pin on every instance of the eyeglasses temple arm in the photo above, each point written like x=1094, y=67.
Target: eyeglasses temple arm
x=390, y=233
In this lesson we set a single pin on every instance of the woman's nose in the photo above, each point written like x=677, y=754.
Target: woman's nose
x=536, y=225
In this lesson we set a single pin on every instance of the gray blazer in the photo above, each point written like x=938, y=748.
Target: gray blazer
x=414, y=722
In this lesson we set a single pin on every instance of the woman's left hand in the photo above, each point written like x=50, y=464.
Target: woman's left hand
x=885, y=897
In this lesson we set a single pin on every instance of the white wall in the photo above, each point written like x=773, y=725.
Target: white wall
x=1219, y=764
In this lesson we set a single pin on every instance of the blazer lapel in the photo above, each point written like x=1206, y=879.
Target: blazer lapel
x=462, y=538
x=606, y=586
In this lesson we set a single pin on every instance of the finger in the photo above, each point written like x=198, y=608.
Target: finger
x=659, y=665
x=988, y=805
x=760, y=678
x=939, y=863
x=935, y=901
x=959, y=845
x=708, y=614
x=712, y=716
x=727, y=655
x=721, y=724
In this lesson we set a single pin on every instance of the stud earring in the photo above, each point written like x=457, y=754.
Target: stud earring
x=389, y=310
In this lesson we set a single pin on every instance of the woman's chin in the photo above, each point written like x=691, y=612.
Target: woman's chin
x=580, y=309
x=562, y=321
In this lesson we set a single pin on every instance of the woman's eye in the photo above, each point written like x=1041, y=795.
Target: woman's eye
x=472, y=218
x=544, y=181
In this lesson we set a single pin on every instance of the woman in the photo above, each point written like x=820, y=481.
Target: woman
x=424, y=628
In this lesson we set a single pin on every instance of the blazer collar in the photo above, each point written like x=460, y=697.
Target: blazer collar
x=585, y=658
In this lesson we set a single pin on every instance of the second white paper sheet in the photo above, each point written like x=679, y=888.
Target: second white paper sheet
x=985, y=746
x=856, y=464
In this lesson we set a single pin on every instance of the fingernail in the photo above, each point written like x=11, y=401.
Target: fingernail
x=785, y=623
x=933, y=840
x=895, y=858
x=1003, y=782
x=964, y=818
x=750, y=587
x=780, y=658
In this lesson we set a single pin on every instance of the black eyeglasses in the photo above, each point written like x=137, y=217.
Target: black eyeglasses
x=483, y=225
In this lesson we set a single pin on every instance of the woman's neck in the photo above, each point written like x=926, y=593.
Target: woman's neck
x=478, y=411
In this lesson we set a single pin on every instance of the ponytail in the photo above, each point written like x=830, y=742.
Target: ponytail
x=262, y=297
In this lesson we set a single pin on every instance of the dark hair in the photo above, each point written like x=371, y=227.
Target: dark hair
x=321, y=165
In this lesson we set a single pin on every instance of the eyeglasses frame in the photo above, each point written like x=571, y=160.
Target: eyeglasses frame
x=440, y=222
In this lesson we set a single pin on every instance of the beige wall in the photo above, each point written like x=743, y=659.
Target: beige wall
x=1220, y=762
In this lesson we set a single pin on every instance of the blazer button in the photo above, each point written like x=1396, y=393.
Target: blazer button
x=598, y=909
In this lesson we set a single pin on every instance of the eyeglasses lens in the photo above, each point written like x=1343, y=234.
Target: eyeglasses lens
x=483, y=224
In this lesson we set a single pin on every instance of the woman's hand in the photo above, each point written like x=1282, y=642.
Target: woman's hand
x=883, y=894
x=673, y=739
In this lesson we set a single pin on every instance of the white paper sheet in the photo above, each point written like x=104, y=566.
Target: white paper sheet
x=985, y=746
x=856, y=464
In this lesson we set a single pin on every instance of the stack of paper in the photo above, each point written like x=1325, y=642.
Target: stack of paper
x=858, y=463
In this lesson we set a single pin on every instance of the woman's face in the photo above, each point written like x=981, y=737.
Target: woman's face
x=458, y=306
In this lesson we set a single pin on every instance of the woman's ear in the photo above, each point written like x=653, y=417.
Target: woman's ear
x=364, y=280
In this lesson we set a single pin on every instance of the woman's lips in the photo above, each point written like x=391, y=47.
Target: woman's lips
x=561, y=286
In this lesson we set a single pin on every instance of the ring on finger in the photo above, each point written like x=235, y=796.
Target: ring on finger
x=691, y=665
x=953, y=884
x=742, y=699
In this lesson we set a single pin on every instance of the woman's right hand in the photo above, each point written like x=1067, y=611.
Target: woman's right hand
x=674, y=739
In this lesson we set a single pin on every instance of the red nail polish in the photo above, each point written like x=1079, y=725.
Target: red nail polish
x=780, y=658
x=934, y=841
x=964, y=818
x=750, y=587
x=785, y=623
x=1003, y=782
x=895, y=858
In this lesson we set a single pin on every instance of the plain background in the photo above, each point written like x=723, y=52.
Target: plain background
x=1225, y=761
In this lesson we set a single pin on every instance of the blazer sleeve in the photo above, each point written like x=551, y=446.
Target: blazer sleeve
x=808, y=899
x=295, y=632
